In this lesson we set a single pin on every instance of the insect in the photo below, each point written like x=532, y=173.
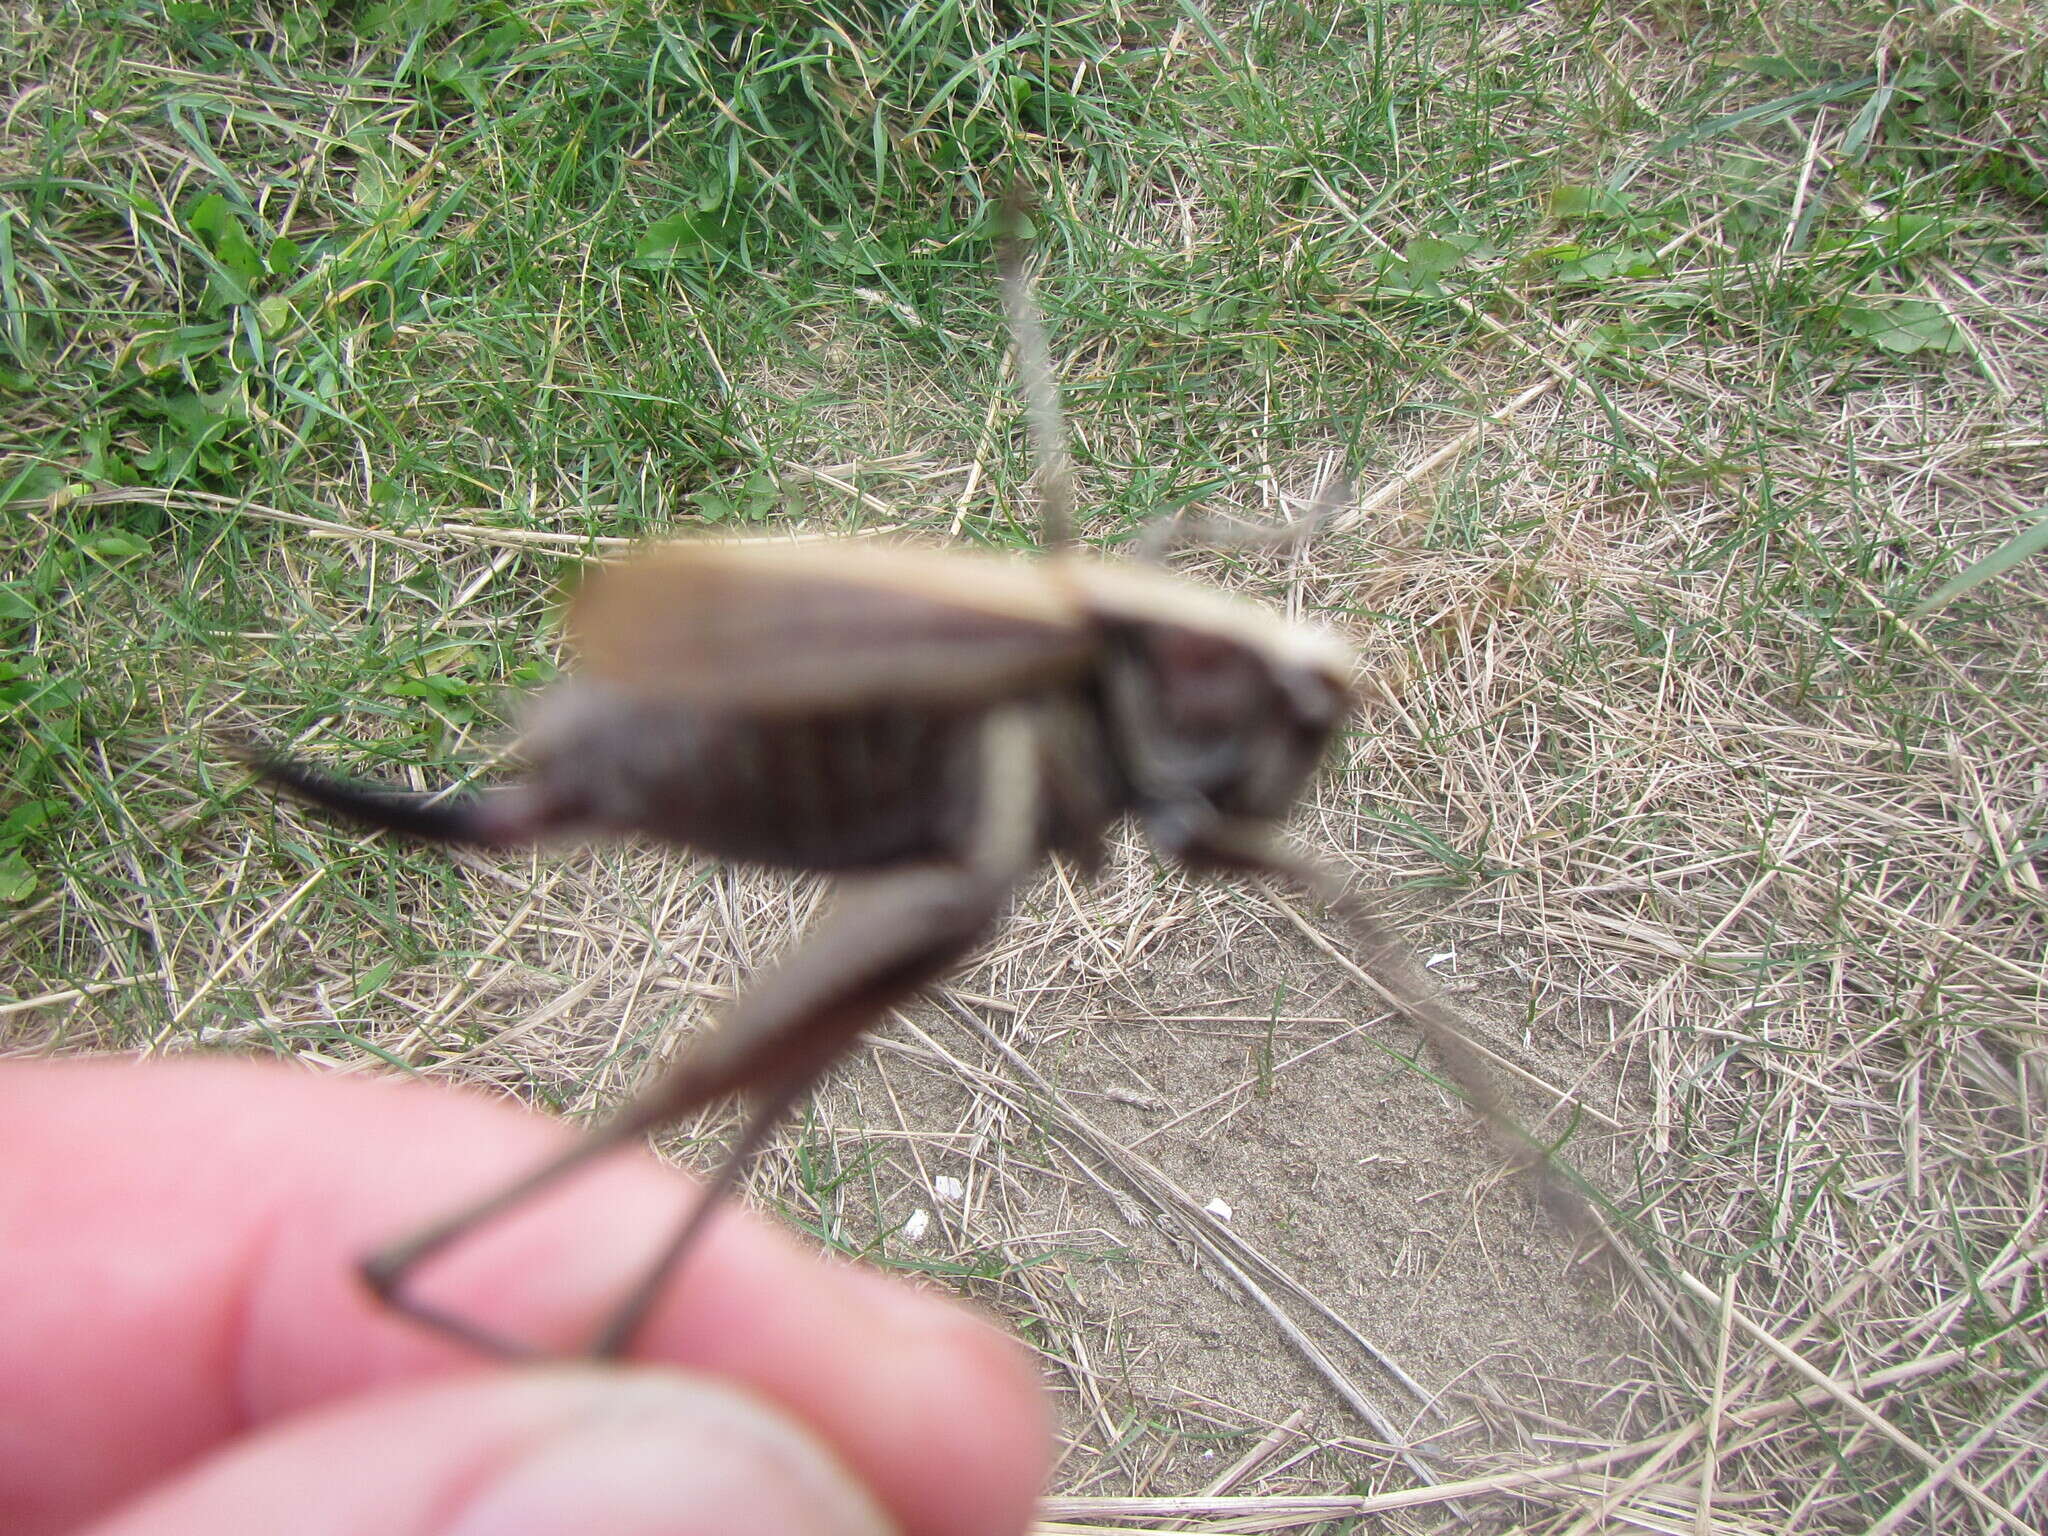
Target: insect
x=931, y=725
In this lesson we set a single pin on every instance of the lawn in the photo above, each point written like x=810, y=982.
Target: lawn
x=1691, y=365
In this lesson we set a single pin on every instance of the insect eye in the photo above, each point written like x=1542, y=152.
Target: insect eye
x=1317, y=700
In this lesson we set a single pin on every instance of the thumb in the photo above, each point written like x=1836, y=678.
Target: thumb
x=520, y=1453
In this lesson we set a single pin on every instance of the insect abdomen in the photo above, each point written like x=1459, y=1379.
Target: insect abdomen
x=865, y=789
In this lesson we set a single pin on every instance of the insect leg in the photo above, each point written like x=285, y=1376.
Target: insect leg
x=891, y=940
x=890, y=937
x=386, y=1271
x=1042, y=415
x=1160, y=537
x=895, y=936
x=763, y=1115
x=1392, y=963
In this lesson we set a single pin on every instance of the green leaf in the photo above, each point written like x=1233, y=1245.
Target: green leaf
x=1626, y=261
x=210, y=216
x=433, y=686
x=1898, y=235
x=1905, y=234
x=155, y=349
x=115, y=547
x=2024, y=545
x=13, y=605
x=864, y=256
x=1785, y=107
x=1672, y=298
x=1863, y=127
x=28, y=817
x=17, y=879
x=400, y=17
x=1616, y=336
x=238, y=266
x=374, y=978
x=1576, y=202
x=1430, y=257
x=275, y=314
x=33, y=482
x=238, y=255
x=753, y=499
x=1423, y=260
x=374, y=187
x=760, y=495
x=684, y=236
x=1908, y=326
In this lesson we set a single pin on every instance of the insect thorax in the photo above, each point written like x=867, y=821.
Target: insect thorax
x=1196, y=716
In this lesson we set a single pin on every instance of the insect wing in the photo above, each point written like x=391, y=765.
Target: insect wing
x=788, y=628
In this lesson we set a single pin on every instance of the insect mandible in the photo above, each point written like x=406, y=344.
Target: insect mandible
x=932, y=725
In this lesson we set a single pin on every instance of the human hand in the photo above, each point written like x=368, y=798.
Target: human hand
x=184, y=1346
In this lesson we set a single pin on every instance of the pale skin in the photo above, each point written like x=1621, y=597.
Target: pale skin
x=184, y=1348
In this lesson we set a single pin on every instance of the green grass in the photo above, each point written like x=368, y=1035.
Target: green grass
x=328, y=345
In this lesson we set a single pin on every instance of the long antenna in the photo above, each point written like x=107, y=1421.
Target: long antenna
x=1053, y=466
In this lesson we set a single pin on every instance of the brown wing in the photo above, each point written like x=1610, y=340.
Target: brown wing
x=794, y=627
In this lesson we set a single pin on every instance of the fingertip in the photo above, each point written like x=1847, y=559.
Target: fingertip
x=947, y=1413
x=545, y=1452
x=984, y=1392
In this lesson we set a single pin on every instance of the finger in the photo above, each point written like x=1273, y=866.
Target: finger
x=556, y=1452
x=177, y=1244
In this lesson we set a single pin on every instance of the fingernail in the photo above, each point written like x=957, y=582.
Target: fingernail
x=650, y=1454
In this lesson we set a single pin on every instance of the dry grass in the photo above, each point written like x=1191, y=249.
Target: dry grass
x=1734, y=850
